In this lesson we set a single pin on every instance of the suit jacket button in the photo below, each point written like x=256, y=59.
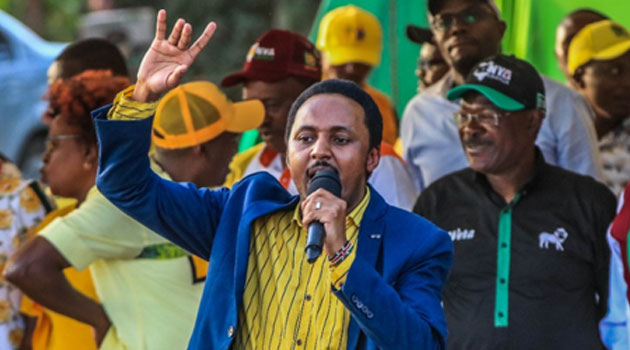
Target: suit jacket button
x=231, y=331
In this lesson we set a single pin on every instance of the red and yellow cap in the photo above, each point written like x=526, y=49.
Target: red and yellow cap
x=276, y=55
x=197, y=112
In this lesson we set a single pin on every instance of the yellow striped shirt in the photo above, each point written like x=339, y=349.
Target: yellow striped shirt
x=124, y=108
x=288, y=303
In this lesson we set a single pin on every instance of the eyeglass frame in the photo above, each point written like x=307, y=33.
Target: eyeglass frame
x=495, y=115
x=437, y=22
x=51, y=138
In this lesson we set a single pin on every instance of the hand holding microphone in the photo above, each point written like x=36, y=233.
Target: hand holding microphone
x=324, y=213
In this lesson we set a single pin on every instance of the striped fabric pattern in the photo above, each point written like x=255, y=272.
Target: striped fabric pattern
x=124, y=108
x=288, y=303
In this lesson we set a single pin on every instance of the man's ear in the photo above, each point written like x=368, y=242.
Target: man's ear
x=373, y=157
x=91, y=155
x=199, y=149
x=502, y=28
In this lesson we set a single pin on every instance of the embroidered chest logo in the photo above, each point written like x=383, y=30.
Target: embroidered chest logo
x=461, y=235
x=556, y=239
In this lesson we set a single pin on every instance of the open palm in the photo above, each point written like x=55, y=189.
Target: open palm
x=166, y=61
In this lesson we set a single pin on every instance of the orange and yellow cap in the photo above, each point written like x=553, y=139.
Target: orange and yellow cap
x=197, y=112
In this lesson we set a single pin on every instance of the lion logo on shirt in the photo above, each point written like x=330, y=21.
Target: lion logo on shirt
x=556, y=238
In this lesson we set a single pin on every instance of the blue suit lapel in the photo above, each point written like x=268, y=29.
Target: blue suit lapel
x=370, y=239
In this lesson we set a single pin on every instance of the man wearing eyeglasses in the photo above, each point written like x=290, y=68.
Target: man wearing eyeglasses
x=531, y=261
x=468, y=31
x=431, y=64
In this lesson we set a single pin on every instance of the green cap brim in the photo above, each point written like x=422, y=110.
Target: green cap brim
x=497, y=98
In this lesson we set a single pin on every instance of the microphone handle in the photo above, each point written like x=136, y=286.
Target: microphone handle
x=314, y=241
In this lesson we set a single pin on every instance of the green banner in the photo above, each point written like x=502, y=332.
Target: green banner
x=531, y=28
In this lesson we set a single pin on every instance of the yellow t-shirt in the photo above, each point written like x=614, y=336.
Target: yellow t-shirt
x=148, y=287
x=288, y=303
x=55, y=331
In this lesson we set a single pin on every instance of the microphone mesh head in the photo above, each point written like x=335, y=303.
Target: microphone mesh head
x=327, y=179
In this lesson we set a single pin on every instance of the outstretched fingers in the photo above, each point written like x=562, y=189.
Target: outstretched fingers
x=185, y=38
x=203, y=40
x=160, y=25
x=176, y=33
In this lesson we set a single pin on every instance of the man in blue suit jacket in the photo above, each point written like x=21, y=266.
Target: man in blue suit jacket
x=387, y=278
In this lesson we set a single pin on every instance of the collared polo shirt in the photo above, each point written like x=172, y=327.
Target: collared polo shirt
x=530, y=274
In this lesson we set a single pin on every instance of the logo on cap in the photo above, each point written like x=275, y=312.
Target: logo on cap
x=360, y=34
x=494, y=71
x=261, y=53
x=310, y=60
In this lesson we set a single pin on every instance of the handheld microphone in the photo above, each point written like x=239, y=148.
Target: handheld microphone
x=327, y=179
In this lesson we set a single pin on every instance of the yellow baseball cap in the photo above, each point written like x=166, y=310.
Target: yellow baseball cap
x=197, y=112
x=603, y=40
x=350, y=34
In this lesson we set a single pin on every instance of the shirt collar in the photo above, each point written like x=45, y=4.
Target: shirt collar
x=157, y=168
x=540, y=167
x=354, y=218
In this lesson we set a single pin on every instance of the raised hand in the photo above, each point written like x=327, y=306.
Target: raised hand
x=166, y=61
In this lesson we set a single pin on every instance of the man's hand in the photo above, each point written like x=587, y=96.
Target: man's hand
x=166, y=61
x=331, y=213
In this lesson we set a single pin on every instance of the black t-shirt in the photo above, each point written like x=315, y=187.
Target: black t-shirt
x=531, y=274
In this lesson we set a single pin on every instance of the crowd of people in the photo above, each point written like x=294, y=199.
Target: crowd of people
x=493, y=216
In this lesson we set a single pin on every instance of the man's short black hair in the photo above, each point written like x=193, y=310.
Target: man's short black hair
x=373, y=119
x=587, y=11
x=435, y=6
x=94, y=53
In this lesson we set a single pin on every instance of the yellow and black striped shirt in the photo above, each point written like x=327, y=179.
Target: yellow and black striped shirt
x=288, y=303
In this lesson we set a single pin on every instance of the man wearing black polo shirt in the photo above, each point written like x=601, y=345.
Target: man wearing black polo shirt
x=531, y=261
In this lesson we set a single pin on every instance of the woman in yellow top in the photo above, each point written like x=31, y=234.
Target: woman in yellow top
x=70, y=163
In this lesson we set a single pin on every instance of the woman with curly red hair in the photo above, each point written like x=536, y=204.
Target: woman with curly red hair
x=70, y=163
x=71, y=153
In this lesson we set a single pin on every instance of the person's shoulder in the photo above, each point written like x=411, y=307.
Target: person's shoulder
x=246, y=156
x=449, y=182
x=554, y=90
x=376, y=93
x=426, y=97
x=240, y=162
x=583, y=186
x=444, y=192
x=261, y=185
x=408, y=229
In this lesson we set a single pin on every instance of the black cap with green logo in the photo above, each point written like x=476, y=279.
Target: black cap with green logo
x=508, y=82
